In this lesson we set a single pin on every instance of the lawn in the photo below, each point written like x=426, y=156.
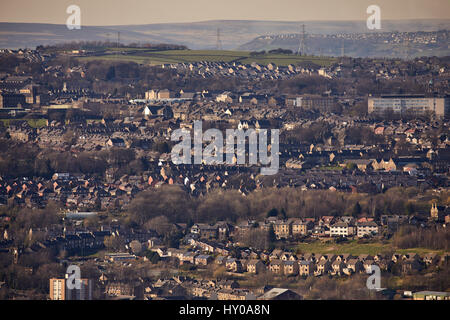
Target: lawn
x=331, y=168
x=153, y=57
x=34, y=123
x=355, y=248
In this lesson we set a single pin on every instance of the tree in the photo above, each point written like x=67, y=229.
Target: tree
x=114, y=243
x=70, y=137
x=409, y=208
x=272, y=212
x=111, y=74
x=152, y=256
x=170, y=201
x=92, y=221
x=160, y=224
x=272, y=235
x=162, y=147
x=351, y=166
x=222, y=205
x=118, y=156
x=135, y=246
x=219, y=272
x=172, y=239
x=356, y=211
x=255, y=238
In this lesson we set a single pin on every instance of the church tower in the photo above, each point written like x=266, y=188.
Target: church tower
x=434, y=211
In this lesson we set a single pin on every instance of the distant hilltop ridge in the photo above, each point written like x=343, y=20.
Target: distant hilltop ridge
x=392, y=44
x=195, y=35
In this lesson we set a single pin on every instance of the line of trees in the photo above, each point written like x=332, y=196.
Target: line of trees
x=414, y=237
x=24, y=160
x=177, y=205
x=97, y=45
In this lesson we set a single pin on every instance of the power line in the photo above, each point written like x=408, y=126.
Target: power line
x=118, y=43
x=408, y=49
x=302, y=43
x=303, y=40
x=219, y=42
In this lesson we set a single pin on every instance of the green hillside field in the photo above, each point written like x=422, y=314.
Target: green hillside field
x=152, y=57
x=356, y=248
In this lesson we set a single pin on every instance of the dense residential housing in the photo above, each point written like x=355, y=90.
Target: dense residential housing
x=87, y=177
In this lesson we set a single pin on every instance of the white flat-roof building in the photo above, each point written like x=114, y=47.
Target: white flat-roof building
x=409, y=104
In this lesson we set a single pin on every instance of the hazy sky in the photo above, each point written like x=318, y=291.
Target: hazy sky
x=119, y=12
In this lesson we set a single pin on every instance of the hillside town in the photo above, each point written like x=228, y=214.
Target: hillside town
x=87, y=178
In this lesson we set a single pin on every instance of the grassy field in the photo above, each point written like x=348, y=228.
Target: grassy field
x=331, y=168
x=34, y=123
x=355, y=248
x=143, y=56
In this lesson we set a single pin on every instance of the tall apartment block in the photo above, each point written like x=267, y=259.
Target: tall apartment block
x=60, y=291
x=410, y=104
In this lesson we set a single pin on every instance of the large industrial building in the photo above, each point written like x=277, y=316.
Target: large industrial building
x=409, y=105
x=12, y=100
x=312, y=102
